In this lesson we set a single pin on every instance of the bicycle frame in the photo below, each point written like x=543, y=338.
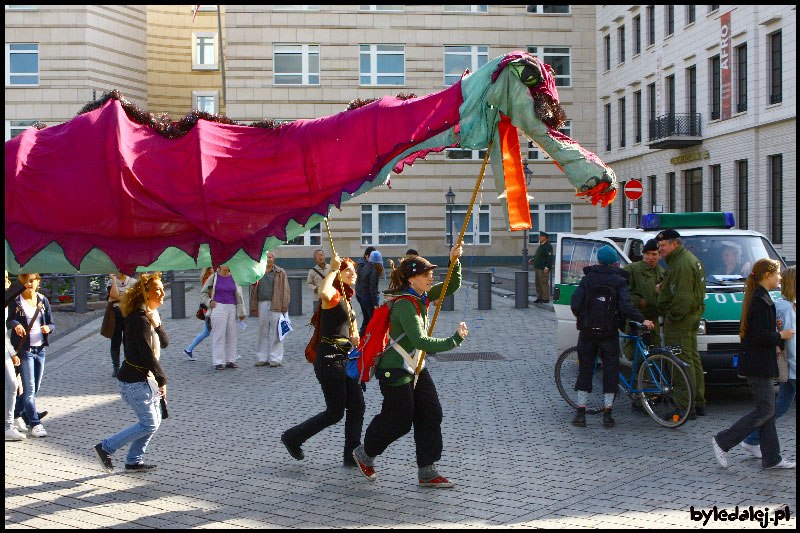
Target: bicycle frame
x=641, y=349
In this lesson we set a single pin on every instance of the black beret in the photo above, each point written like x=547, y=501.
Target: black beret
x=668, y=235
x=650, y=246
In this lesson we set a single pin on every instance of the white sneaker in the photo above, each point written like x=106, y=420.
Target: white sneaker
x=38, y=431
x=722, y=456
x=752, y=449
x=13, y=434
x=20, y=424
x=783, y=464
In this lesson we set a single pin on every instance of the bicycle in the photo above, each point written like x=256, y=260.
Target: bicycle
x=657, y=372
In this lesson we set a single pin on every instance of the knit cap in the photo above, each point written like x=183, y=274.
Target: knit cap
x=607, y=255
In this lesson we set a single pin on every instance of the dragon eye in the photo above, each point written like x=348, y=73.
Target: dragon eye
x=528, y=72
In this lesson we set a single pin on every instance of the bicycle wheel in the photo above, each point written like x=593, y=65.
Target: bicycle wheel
x=566, y=374
x=657, y=379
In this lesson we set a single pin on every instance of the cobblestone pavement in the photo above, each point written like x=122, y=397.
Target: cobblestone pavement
x=507, y=443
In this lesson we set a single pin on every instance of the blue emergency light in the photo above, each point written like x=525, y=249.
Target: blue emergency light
x=658, y=221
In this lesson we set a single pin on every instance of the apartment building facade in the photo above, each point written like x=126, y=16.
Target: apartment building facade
x=698, y=102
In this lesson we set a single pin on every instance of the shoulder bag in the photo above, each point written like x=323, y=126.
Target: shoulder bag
x=109, y=322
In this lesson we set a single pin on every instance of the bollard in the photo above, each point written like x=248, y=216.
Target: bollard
x=484, y=290
x=178, y=290
x=81, y=285
x=296, y=295
x=449, y=302
x=521, y=290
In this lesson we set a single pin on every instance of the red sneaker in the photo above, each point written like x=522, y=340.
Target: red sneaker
x=439, y=482
x=368, y=471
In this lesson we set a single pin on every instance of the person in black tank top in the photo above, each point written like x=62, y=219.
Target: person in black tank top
x=338, y=335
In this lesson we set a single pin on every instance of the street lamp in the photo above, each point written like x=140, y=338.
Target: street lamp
x=450, y=198
x=528, y=175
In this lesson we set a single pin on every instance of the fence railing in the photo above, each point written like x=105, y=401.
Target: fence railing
x=688, y=124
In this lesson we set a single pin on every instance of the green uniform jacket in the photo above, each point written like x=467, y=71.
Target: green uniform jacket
x=543, y=256
x=642, y=285
x=682, y=298
x=404, y=319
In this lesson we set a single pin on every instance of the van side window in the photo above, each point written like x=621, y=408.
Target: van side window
x=635, y=254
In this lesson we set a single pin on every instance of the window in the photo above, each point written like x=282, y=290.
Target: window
x=622, y=122
x=671, y=192
x=716, y=187
x=651, y=185
x=577, y=254
x=480, y=226
x=693, y=190
x=533, y=149
x=691, y=82
x=280, y=7
x=558, y=58
x=550, y=218
x=637, y=105
x=669, y=89
x=312, y=237
x=549, y=10
x=296, y=64
x=383, y=64
x=457, y=59
x=651, y=107
x=651, y=25
x=207, y=101
x=637, y=35
x=714, y=85
x=775, y=169
x=690, y=14
x=669, y=20
x=741, y=184
x=22, y=64
x=464, y=155
x=610, y=216
x=607, y=40
x=775, y=76
x=383, y=224
x=381, y=8
x=713, y=8
x=608, y=127
x=621, y=40
x=741, y=78
x=204, y=53
x=623, y=211
x=465, y=9
x=15, y=127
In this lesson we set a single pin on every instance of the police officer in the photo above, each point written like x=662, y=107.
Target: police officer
x=681, y=302
x=542, y=262
x=645, y=275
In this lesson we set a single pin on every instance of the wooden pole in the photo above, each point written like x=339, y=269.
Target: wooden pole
x=452, y=263
x=339, y=275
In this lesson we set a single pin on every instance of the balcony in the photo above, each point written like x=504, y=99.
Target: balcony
x=675, y=130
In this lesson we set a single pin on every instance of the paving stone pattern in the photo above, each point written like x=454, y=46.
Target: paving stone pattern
x=508, y=445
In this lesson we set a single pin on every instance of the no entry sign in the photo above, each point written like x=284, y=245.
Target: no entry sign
x=633, y=190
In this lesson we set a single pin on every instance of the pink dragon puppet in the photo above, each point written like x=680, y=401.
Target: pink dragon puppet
x=116, y=188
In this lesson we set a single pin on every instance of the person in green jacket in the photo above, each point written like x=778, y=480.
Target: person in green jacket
x=404, y=405
x=645, y=275
x=542, y=263
x=681, y=301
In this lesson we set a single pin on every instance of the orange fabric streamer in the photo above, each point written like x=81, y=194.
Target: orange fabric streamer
x=519, y=211
x=598, y=193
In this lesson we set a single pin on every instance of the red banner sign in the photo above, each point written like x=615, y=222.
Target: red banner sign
x=725, y=64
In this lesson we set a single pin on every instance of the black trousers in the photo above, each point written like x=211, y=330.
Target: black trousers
x=589, y=347
x=117, y=339
x=367, y=309
x=404, y=406
x=342, y=394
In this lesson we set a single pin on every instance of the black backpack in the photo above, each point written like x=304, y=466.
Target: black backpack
x=600, y=310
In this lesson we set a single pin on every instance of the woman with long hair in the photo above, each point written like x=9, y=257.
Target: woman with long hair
x=142, y=382
x=404, y=404
x=786, y=312
x=205, y=333
x=758, y=363
x=338, y=335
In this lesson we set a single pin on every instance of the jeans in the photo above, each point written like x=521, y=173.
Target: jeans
x=31, y=368
x=147, y=406
x=761, y=418
x=200, y=337
x=786, y=393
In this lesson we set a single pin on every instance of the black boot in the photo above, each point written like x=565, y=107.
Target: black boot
x=115, y=362
x=580, y=418
x=348, y=458
x=608, y=422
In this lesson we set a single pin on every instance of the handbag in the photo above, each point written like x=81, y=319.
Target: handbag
x=201, y=312
x=783, y=366
x=109, y=322
x=164, y=412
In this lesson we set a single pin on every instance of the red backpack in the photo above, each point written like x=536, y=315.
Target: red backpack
x=361, y=362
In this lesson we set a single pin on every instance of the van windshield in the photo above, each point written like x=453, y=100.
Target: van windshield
x=728, y=260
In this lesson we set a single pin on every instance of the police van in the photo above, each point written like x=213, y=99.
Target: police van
x=726, y=253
